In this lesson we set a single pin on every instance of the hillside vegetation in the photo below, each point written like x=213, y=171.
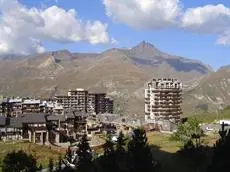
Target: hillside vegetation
x=41, y=153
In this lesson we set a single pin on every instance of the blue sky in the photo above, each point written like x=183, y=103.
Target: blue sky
x=190, y=41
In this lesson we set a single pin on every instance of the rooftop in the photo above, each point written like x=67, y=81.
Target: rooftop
x=56, y=118
x=31, y=101
x=15, y=100
x=2, y=120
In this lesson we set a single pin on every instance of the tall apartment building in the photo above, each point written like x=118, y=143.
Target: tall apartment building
x=83, y=101
x=78, y=99
x=163, y=98
x=99, y=103
x=108, y=105
x=75, y=99
x=91, y=106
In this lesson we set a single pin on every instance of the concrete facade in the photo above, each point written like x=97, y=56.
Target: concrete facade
x=163, y=99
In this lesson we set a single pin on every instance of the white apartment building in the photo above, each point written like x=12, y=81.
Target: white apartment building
x=163, y=99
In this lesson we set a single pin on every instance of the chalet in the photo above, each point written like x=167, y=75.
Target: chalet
x=35, y=130
x=10, y=128
x=14, y=129
x=57, y=127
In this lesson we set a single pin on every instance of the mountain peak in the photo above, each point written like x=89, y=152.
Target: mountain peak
x=145, y=45
x=145, y=50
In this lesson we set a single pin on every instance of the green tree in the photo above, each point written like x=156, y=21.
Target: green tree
x=189, y=131
x=140, y=152
x=19, y=161
x=40, y=167
x=51, y=165
x=220, y=159
x=121, y=142
x=109, y=147
x=84, y=155
x=121, y=155
x=107, y=161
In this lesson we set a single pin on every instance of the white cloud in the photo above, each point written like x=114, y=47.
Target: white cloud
x=144, y=14
x=224, y=39
x=158, y=14
x=22, y=29
x=209, y=19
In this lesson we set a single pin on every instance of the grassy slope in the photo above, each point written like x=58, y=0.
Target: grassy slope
x=207, y=117
x=41, y=153
x=165, y=152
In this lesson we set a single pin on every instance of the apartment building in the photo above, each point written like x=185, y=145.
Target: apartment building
x=31, y=106
x=78, y=99
x=163, y=99
x=82, y=101
x=12, y=107
x=75, y=100
x=108, y=105
x=99, y=103
x=91, y=106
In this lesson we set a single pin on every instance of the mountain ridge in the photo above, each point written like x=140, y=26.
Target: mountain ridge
x=122, y=73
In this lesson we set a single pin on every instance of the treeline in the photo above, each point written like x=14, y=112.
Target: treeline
x=132, y=154
x=202, y=157
x=127, y=154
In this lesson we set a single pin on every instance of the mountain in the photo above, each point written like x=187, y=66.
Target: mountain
x=121, y=72
x=211, y=93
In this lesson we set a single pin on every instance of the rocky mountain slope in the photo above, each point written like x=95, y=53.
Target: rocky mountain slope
x=120, y=72
x=211, y=93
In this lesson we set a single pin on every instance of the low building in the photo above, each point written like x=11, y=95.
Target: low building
x=11, y=128
x=14, y=107
x=2, y=126
x=1, y=108
x=31, y=106
x=14, y=129
x=35, y=128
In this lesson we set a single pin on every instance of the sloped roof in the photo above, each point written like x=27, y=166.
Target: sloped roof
x=2, y=120
x=35, y=118
x=16, y=122
x=56, y=117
